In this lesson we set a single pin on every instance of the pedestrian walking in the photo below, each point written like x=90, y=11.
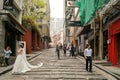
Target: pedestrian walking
x=58, y=51
x=64, y=49
x=72, y=50
x=88, y=57
x=7, y=53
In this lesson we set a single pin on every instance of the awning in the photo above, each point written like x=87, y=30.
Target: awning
x=15, y=24
x=86, y=29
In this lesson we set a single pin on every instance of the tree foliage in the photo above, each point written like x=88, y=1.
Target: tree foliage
x=39, y=3
x=29, y=22
x=33, y=10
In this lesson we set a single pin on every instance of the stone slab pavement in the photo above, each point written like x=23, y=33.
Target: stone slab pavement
x=101, y=64
x=30, y=56
x=107, y=67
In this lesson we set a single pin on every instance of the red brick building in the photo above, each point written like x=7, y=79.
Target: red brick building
x=34, y=41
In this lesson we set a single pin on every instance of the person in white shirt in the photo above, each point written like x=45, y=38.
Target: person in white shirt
x=88, y=57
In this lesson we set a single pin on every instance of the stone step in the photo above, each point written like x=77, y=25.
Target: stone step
x=60, y=70
x=63, y=72
x=65, y=76
x=63, y=64
x=37, y=78
x=51, y=67
x=54, y=66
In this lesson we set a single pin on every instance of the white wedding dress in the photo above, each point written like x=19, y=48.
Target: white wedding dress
x=21, y=64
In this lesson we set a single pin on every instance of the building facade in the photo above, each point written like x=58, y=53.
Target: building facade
x=102, y=32
x=56, y=30
x=71, y=17
x=11, y=29
x=114, y=36
x=38, y=39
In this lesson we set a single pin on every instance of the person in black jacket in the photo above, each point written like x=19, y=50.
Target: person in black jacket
x=72, y=50
x=58, y=51
x=64, y=49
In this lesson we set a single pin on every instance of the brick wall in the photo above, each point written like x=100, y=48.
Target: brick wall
x=28, y=38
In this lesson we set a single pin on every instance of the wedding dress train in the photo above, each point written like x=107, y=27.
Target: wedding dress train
x=21, y=64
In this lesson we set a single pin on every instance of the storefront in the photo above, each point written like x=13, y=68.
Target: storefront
x=11, y=32
x=105, y=45
x=114, y=43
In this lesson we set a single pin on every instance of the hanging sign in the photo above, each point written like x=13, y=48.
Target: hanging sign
x=74, y=23
x=7, y=4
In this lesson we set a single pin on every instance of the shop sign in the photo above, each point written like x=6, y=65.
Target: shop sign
x=74, y=23
x=7, y=4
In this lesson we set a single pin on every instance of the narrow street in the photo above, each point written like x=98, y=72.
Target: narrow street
x=89, y=27
x=67, y=68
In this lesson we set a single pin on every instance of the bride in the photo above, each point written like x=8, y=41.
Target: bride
x=21, y=64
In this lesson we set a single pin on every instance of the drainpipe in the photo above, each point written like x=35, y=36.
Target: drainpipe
x=94, y=26
x=101, y=37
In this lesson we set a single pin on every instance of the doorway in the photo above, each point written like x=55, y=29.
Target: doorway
x=10, y=40
x=105, y=44
x=119, y=49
